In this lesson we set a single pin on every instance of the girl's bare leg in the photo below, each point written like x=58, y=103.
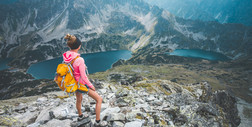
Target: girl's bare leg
x=78, y=102
x=98, y=100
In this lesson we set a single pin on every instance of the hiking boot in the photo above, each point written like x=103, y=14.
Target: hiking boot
x=52, y=116
x=101, y=124
x=82, y=117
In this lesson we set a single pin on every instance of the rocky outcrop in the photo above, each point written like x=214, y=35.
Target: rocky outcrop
x=139, y=103
x=17, y=83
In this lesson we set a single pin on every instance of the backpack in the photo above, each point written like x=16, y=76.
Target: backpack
x=65, y=78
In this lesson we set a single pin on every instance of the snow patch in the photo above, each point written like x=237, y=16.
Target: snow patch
x=238, y=55
x=226, y=19
x=198, y=36
x=142, y=42
x=102, y=48
x=129, y=32
x=147, y=20
x=166, y=15
x=48, y=57
x=218, y=15
x=170, y=45
x=32, y=62
x=215, y=39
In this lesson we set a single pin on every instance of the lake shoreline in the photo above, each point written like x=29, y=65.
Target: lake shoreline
x=201, y=54
x=96, y=62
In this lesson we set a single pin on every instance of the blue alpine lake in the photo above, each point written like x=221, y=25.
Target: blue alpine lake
x=96, y=62
x=3, y=64
x=197, y=53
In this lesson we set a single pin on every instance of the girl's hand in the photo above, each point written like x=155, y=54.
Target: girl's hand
x=92, y=88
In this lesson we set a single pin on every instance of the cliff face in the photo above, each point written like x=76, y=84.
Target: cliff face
x=33, y=31
x=140, y=102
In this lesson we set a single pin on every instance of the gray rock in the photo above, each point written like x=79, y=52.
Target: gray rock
x=112, y=88
x=171, y=109
x=156, y=119
x=116, y=117
x=87, y=108
x=57, y=123
x=134, y=124
x=83, y=122
x=180, y=120
x=131, y=116
x=33, y=109
x=27, y=117
x=104, y=106
x=102, y=91
x=109, y=110
x=37, y=124
x=207, y=110
x=207, y=92
x=10, y=121
x=150, y=98
x=228, y=104
x=140, y=101
x=43, y=115
x=2, y=111
x=121, y=102
x=92, y=102
x=118, y=124
x=122, y=93
x=111, y=95
x=42, y=99
x=21, y=108
x=62, y=111
x=157, y=103
x=150, y=122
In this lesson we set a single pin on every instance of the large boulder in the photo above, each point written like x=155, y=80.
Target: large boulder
x=228, y=103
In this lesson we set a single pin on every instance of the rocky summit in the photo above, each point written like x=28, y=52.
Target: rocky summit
x=139, y=102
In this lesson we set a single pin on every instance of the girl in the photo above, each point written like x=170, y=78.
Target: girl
x=80, y=75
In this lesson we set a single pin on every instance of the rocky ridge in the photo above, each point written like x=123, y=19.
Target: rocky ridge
x=129, y=102
x=224, y=11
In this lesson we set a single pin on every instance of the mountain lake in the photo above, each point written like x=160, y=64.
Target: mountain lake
x=96, y=62
x=3, y=63
x=198, y=53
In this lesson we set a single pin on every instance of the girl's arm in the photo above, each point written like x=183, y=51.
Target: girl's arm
x=84, y=78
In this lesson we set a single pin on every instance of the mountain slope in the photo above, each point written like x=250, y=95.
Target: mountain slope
x=30, y=32
x=224, y=11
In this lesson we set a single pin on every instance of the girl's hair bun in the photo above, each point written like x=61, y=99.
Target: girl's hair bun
x=68, y=37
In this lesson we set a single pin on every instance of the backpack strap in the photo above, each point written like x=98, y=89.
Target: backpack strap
x=74, y=60
x=71, y=63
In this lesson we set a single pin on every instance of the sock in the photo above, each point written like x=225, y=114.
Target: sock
x=81, y=115
x=97, y=121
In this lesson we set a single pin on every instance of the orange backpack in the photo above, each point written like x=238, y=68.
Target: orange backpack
x=65, y=78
